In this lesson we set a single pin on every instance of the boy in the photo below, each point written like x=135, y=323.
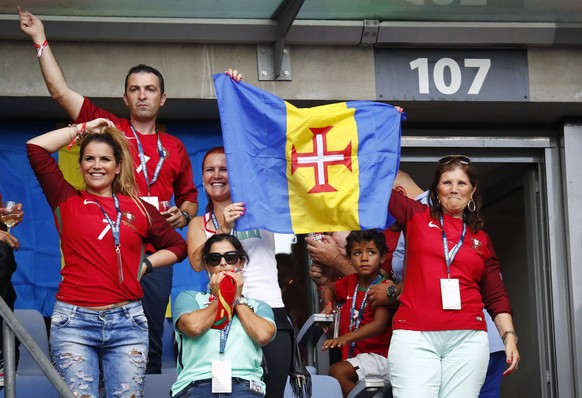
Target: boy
x=364, y=333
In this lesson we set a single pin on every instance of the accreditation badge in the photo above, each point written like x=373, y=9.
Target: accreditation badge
x=221, y=376
x=451, y=294
x=152, y=200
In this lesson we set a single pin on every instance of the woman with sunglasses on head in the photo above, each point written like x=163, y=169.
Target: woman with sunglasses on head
x=261, y=280
x=214, y=362
x=104, y=228
x=440, y=347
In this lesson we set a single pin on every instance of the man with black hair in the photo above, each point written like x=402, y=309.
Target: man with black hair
x=161, y=162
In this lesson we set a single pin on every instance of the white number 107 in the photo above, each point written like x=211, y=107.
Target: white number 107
x=454, y=69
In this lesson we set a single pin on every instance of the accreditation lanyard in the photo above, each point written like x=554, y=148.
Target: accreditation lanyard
x=143, y=161
x=224, y=337
x=215, y=222
x=115, y=230
x=450, y=255
x=356, y=317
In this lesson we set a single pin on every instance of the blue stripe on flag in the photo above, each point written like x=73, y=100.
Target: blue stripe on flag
x=254, y=143
x=378, y=159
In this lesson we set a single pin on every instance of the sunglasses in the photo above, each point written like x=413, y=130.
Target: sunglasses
x=449, y=158
x=213, y=259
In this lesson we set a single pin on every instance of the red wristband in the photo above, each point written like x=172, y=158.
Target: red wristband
x=40, y=47
x=79, y=134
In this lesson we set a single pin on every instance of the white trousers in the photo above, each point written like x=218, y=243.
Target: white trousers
x=439, y=364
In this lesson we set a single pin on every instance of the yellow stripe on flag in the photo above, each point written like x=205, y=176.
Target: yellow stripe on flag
x=322, y=171
x=69, y=164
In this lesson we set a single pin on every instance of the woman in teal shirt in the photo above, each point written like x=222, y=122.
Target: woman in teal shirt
x=213, y=361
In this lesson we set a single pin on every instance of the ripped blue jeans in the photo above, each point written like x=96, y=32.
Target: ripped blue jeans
x=82, y=339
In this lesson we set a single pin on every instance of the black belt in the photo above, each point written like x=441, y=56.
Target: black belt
x=234, y=380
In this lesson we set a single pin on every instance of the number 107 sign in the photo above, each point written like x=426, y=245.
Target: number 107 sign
x=452, y=75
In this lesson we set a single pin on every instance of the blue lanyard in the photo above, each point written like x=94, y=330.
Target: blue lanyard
x=224, y=337
x=143, y=161
x=356, y=319
x=116, y=231
x=450, y=255
x=216, y=225
x=224, y=332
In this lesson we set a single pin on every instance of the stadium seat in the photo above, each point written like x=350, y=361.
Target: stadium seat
x=310, y=336
x=158, y=385
x=34, y=324
x=371, y=388
x=33, y=386
x=168, y=357
x=322, y=386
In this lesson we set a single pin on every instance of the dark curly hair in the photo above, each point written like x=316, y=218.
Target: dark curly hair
x=233, y=240
x=472, y=218
x=370, y=235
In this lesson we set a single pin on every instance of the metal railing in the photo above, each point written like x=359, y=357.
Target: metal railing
x=12, y=327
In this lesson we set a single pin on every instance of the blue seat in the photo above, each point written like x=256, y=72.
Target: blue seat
x=168, y=358
x=158, y=385
x=33, y=386
x=34, y=323
x=28, y=386
x=311, y=336
x=322, y=386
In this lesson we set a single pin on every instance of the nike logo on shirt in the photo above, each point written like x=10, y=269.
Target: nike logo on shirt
x=433, y=225
x=86, y=202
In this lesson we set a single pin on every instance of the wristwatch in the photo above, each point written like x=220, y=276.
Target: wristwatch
x=241, y=301
x=186, y=216
x=509, y=332
x=391, y=291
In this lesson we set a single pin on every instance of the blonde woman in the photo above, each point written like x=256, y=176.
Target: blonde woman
x=104, y=229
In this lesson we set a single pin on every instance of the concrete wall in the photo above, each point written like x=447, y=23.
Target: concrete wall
x=97, y=70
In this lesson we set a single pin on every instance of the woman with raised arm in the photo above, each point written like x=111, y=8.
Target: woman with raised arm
x=104, y=229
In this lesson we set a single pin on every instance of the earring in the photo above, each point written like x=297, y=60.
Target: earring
x=469, y=205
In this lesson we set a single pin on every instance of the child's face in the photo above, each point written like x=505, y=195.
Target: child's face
x=366, y=258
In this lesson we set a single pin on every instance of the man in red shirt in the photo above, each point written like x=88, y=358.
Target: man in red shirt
x=162, y=165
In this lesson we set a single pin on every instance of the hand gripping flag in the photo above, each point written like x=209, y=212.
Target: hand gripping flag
x=301, y=170
x=225, y=311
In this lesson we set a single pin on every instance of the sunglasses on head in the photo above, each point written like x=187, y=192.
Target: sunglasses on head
x=213, y=259
x=449, y=158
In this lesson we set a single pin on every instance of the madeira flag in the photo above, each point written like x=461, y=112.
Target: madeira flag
x=302, y=170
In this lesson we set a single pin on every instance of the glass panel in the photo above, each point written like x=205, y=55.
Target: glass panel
x=382, y=10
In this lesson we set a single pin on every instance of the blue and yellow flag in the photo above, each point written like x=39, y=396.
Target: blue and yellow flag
x=327, y=168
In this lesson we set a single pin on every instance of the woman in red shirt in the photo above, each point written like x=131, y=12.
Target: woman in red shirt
x=104, y=229
x=439, y=347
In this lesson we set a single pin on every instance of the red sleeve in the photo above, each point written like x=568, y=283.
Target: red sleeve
x=50, y=177
x=402, y=208
x=340, y=288
x=184, y=188
x=493, y=290
x=89, y=112
x=161, y=234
